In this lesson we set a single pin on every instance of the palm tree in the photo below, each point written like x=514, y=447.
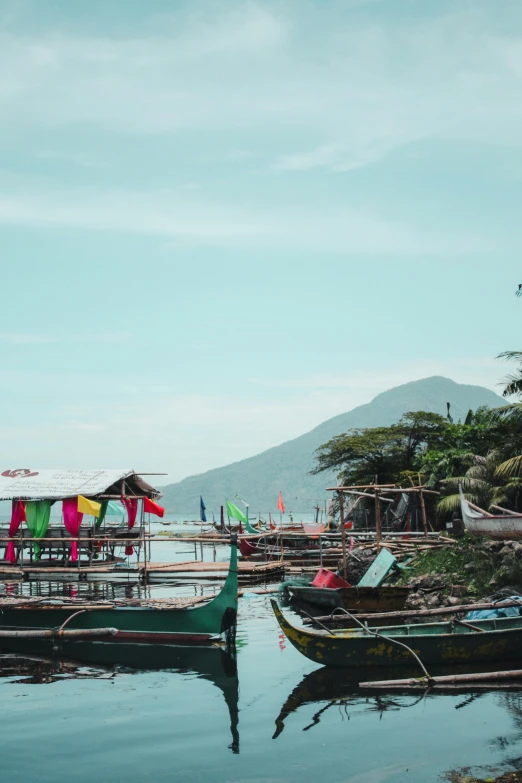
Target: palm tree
x=483, y=485
x=513, y=387
x=513, y=382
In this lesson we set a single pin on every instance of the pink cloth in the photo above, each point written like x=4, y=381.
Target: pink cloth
x=131, y=504
x=17, y=517
x=72, y=519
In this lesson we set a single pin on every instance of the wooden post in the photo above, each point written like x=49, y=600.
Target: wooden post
x=343, y=533
x=222, y=520
x=423, y=511
x=144, y=557
x=378, y=532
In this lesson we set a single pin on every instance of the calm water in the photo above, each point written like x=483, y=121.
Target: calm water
x=188, y=716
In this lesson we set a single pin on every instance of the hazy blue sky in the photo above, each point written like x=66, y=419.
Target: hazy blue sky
x=223, y=222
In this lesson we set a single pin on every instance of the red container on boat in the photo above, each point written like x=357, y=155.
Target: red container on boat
x=326, y=578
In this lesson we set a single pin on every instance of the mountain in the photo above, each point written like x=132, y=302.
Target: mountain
x=286, y=467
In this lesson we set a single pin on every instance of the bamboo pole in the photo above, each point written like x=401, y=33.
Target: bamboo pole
x=343, y=534
x=449, y=679
x=50, y=634
x=363, y=486
x=406, y=614
x=507, y=510
x=378, y=532
x=423, y=513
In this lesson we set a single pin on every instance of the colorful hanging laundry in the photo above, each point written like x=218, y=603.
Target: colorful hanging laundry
x=101, y=516
x=131, y=504
x=37, y=514
x=17, y=517
x=150, y=507
x=86, y=506
x=72, y=519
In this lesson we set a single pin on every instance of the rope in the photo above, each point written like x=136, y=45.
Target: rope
x=380, y=636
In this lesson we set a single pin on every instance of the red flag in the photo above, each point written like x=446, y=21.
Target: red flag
x=272, y=526
x=150, y=507
x=280, y=504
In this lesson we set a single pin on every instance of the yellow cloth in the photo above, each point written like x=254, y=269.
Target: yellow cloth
x=86, y=506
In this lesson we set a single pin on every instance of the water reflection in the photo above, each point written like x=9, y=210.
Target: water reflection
x=43, y=665
x=340, y=689
x=34, y=669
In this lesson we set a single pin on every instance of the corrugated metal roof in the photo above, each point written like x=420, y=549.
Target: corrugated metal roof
x=56, y=484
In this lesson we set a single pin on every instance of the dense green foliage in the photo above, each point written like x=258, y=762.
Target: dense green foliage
x=472, y=563
x=483, y=453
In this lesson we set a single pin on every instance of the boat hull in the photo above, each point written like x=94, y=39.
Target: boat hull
x=354, y=599
x=500, y=641
x=507, y=527
x=191, y=625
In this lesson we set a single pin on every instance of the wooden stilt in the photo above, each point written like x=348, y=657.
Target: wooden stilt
x=343, y=533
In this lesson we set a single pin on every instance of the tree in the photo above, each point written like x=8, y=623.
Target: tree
x=482, y=484
x=362, y=454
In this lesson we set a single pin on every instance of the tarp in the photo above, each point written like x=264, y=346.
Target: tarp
x=499, y=611
x=56, y=484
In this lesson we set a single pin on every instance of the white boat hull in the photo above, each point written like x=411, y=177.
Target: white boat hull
x=506, y=527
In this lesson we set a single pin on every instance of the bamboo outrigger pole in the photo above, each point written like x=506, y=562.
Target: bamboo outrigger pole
x=343, y=533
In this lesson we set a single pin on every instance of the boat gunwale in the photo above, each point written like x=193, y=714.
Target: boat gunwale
x=359, y=633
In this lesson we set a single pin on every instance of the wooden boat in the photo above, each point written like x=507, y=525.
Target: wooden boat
x=453, y=642
x=155, y=621
x=355, y=599
x=313, y=529
x=479, y=523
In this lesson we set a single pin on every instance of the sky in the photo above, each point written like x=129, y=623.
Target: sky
x=222, y=223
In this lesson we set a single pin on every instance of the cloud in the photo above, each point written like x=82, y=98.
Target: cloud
x=157, y=427
x=178, y=216
x=27, y=338
x=350, y=87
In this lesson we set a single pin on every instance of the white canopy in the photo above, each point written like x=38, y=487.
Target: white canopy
x=55, y=484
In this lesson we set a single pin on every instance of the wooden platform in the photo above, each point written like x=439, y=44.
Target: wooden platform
x=251, y=573
x=247, y=572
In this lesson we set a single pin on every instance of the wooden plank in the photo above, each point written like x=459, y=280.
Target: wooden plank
x=379, y=569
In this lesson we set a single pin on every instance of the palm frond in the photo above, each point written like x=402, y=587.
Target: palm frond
x=512, y=411
x=469, y=483
x=449, y=504
x=510, y=468
x=510, y=355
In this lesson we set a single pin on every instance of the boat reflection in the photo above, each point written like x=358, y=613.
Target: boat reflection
x=67, y=661
x=340, y=688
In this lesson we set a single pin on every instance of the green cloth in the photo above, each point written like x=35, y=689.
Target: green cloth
x=101, y=516
x=235, y=513
x=37, y=513
x=110, y=509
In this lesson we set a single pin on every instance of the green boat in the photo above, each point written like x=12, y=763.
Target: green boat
x=155, y=621
x=436, y=644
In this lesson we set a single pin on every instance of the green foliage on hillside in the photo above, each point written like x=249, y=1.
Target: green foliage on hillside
x=482, y=453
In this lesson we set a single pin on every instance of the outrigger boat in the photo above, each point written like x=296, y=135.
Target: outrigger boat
x=439, y=643
x=355, y=599
x=480, y=523
x=159, y=621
